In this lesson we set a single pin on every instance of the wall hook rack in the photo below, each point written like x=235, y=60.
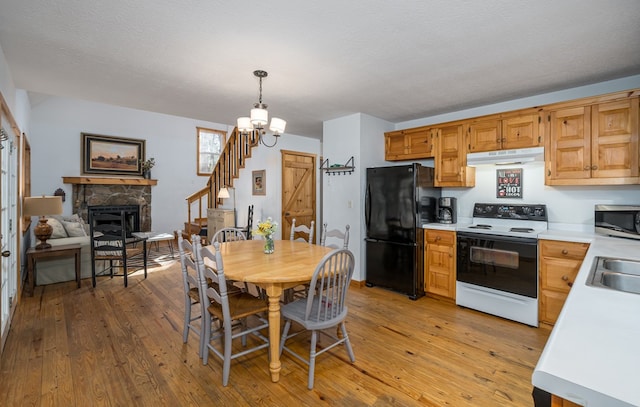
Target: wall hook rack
x=338, y=169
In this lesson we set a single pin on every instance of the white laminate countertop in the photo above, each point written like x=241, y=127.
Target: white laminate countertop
x=592, y=356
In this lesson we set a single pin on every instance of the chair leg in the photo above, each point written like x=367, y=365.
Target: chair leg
x=347, y=342
x=125, y=270
x=187, y=319
x=285, y=332
x=243, y=339
x=312, y=358
x=93, y=273
x=205, y=337
x=144, y=254
x=226, y=365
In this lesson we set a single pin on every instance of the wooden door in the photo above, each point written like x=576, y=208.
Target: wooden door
x=570, y=144
x=485, y=135
x=298, y=190
x=440, y=263
x=614, y=139
x=521, y=132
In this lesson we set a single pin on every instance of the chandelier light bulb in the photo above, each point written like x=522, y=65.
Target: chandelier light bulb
x=244, y=124
x=259, y=117
x=277, y=125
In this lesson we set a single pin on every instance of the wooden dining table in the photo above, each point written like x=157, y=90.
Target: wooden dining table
x=291, y=264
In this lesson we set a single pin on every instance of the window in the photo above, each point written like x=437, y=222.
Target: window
x=210, y=145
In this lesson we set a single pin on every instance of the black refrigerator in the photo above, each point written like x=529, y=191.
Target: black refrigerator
x=398, y=200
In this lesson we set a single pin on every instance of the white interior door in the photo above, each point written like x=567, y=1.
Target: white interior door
x=8, y=225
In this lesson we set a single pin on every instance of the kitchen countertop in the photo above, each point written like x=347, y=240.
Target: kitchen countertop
x=591, y=357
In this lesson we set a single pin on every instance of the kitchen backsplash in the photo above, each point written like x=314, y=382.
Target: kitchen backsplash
x=571, y=206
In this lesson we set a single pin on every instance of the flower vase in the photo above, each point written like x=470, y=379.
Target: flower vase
x=268, y=244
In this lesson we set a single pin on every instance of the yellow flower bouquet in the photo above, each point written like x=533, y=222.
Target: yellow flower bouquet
x=267, y=228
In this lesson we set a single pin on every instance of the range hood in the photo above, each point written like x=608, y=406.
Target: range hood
x=517, y=156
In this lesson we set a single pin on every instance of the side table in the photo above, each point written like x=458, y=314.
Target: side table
x=34, y=255
x=156, y=237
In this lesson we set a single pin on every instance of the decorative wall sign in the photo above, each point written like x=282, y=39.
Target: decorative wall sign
x=509, y=183
x=111, y=155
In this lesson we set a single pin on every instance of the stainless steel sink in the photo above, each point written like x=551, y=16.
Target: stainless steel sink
x=615, y=274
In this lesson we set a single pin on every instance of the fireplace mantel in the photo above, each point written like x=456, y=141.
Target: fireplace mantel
x=92, y=180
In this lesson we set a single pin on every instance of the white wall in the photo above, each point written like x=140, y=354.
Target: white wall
x=360, y=136
x=56, y=124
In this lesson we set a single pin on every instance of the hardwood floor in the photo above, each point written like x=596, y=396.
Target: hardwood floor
x=117, y=346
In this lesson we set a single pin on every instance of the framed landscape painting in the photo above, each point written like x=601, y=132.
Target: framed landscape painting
x=111, y=155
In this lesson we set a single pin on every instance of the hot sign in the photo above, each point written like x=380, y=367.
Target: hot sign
x=509, y=183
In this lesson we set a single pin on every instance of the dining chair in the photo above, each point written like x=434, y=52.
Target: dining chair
x=336, y=234
x=112, y=242
x=191, y=292
x=227, y=309
x=301, y=229
x=324, y=308
x=228, y=235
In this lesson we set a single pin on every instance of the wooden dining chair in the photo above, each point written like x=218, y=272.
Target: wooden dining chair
x=113, y=244
x=336, y=235
x=218, y=304
x=228, y=235
x=191, y=293
x=301, y=229
x=324, y=308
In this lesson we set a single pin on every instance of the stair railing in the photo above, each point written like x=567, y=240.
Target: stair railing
x=232, y=159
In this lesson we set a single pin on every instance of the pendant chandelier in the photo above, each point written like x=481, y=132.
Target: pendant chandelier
x=260, y=117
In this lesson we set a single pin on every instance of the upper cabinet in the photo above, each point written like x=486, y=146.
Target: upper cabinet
x=507, y=133
x=451, y=158
x=594, y=144
x=408, y=144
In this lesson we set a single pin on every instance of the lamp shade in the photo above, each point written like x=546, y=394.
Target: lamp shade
x=42, y=205
x=244, y=124
x=259, y=117
x=277, y=125
x=223, y=193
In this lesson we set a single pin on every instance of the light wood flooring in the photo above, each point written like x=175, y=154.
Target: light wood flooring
x=116, y=346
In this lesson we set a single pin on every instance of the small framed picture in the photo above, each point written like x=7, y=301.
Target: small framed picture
x=259, y=185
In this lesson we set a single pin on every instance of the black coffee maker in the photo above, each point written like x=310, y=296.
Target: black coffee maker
x=447, y=210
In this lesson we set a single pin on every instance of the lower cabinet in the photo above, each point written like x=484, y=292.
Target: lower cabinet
x=218, y=219
x=559, y=262
x=440, y=263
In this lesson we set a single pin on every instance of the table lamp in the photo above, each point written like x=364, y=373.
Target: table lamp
x=42, y=206
x=224, y=194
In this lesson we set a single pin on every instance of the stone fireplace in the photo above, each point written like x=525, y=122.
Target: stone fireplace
x=95, y=191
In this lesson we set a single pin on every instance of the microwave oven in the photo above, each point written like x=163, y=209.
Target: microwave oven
x=618, y=220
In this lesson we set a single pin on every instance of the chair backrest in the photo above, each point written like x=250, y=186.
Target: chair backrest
x=210, y=269
x=326, y=304
x=228, y=235
x=108, y=234
x=250, y=223
x=301, y=229
x=338, y=235
x=187, y=263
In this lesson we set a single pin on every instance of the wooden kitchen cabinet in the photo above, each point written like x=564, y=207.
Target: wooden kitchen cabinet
x=559, y=263
x=408, y=144
x=594, y=144
x=218, y=219
x=440, y=262
x=520, y=131
x=451, y=158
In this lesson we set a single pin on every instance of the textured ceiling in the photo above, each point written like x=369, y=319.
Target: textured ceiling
x=396, y=60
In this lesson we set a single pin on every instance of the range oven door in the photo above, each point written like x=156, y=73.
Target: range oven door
x=503, y=263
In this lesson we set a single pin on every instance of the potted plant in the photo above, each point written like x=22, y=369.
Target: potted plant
x=146, y=166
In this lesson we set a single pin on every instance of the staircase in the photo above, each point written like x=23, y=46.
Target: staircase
x=233, y=158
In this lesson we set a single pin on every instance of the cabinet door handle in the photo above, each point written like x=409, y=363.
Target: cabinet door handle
x=565, y=278
x=565, y=251
x=594, y=167
x=438, y=238
x=586, y=168
x=6, y=253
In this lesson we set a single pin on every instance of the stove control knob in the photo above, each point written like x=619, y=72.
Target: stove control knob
x=539, y=212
